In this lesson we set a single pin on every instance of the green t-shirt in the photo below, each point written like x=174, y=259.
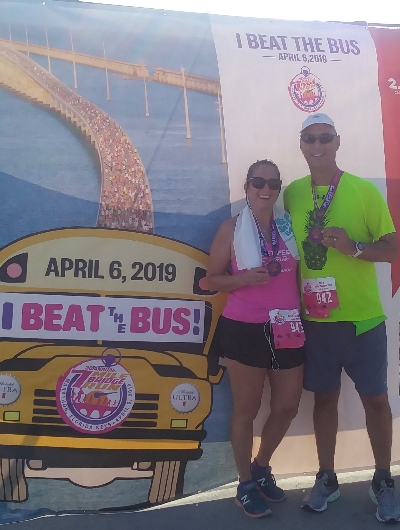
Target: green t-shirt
x=360, y=209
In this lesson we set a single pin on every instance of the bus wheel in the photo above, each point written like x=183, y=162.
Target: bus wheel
x=167, y=483
x=13, y=486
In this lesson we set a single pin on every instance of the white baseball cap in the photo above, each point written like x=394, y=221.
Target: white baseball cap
x=319, y=117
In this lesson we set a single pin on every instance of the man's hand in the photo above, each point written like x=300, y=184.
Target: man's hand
x=337, y=238
x=383, y=250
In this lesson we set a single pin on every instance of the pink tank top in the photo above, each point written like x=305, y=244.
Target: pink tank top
x=253, y=303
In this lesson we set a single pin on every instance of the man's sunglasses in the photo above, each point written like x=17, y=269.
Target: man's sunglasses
x=324, y=138
x=260, y=182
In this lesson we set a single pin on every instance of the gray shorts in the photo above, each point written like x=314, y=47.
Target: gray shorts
x=333, y=346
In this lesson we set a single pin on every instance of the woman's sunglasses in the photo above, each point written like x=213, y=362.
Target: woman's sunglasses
x=260, y=182
x=324, y=138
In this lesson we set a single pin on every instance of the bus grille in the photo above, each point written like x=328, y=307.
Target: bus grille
x=144, y=411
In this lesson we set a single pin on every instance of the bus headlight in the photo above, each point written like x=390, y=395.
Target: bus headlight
x=11, y=415
x=179, y=424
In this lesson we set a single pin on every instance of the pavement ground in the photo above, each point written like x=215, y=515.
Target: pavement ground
x=215, y=509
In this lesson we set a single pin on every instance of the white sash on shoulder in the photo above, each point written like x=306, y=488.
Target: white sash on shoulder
x=247, y=244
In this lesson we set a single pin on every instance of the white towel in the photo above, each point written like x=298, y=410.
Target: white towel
x=246, y=242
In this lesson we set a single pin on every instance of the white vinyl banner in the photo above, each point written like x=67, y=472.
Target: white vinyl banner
x=275, y=73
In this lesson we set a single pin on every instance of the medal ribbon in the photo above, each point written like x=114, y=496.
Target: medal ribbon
x=274, y=238
x=320, y=212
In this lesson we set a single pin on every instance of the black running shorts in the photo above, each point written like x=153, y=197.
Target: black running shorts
x=253, y=345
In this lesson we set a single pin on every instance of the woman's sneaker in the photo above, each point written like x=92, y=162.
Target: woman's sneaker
x=324, y=490
x=250, y=499
x=383, y=495
x=266, y=483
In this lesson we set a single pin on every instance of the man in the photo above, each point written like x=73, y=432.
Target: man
x=342, y=226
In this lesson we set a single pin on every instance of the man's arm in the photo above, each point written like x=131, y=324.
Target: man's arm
x=384, y=250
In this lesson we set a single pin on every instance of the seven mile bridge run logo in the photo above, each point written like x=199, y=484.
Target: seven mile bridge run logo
x=95, y=396
x=306, y=91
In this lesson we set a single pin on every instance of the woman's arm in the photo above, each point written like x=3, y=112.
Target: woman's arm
x=218, y=278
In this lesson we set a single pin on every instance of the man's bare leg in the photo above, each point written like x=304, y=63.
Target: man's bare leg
x=325, y=427
x=379, y=426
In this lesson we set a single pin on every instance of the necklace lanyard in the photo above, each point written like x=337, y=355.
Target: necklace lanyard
x=273, y=266
x=315, y=234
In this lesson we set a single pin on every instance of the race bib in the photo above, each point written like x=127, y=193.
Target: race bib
x=287, y=328
x=320, y=296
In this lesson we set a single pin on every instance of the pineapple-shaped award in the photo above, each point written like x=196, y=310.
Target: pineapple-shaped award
x=315, y=254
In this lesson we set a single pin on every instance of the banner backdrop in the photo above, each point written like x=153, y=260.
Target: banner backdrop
x=126, y=137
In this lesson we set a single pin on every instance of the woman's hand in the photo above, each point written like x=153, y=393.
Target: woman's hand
x=257, y=275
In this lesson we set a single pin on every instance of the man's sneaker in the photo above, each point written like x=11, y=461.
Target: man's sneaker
x=323, y=491
x=250, y=499
x=267, y=485
x=383, y=495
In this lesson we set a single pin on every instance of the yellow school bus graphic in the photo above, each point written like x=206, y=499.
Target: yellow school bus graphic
x=104, y=362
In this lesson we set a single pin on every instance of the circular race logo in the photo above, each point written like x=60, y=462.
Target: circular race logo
x=279, y=319
x=306, y=91
x=10, y=389
x=307, y=289
x=185, y=397
x=97, y=395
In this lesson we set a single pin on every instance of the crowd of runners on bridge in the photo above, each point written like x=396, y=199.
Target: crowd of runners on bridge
x=125, y=198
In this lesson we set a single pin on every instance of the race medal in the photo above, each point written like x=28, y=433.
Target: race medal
x=274, y=267
x=315, y=235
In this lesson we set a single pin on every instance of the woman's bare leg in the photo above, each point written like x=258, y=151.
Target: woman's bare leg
x=247, y=384
x=286, y=388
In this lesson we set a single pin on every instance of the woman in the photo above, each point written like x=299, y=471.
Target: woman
x=259, y=332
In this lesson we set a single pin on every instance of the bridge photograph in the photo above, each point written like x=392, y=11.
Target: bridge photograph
x=90, y=86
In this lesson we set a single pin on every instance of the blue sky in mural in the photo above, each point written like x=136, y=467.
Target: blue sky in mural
x=385, y=11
